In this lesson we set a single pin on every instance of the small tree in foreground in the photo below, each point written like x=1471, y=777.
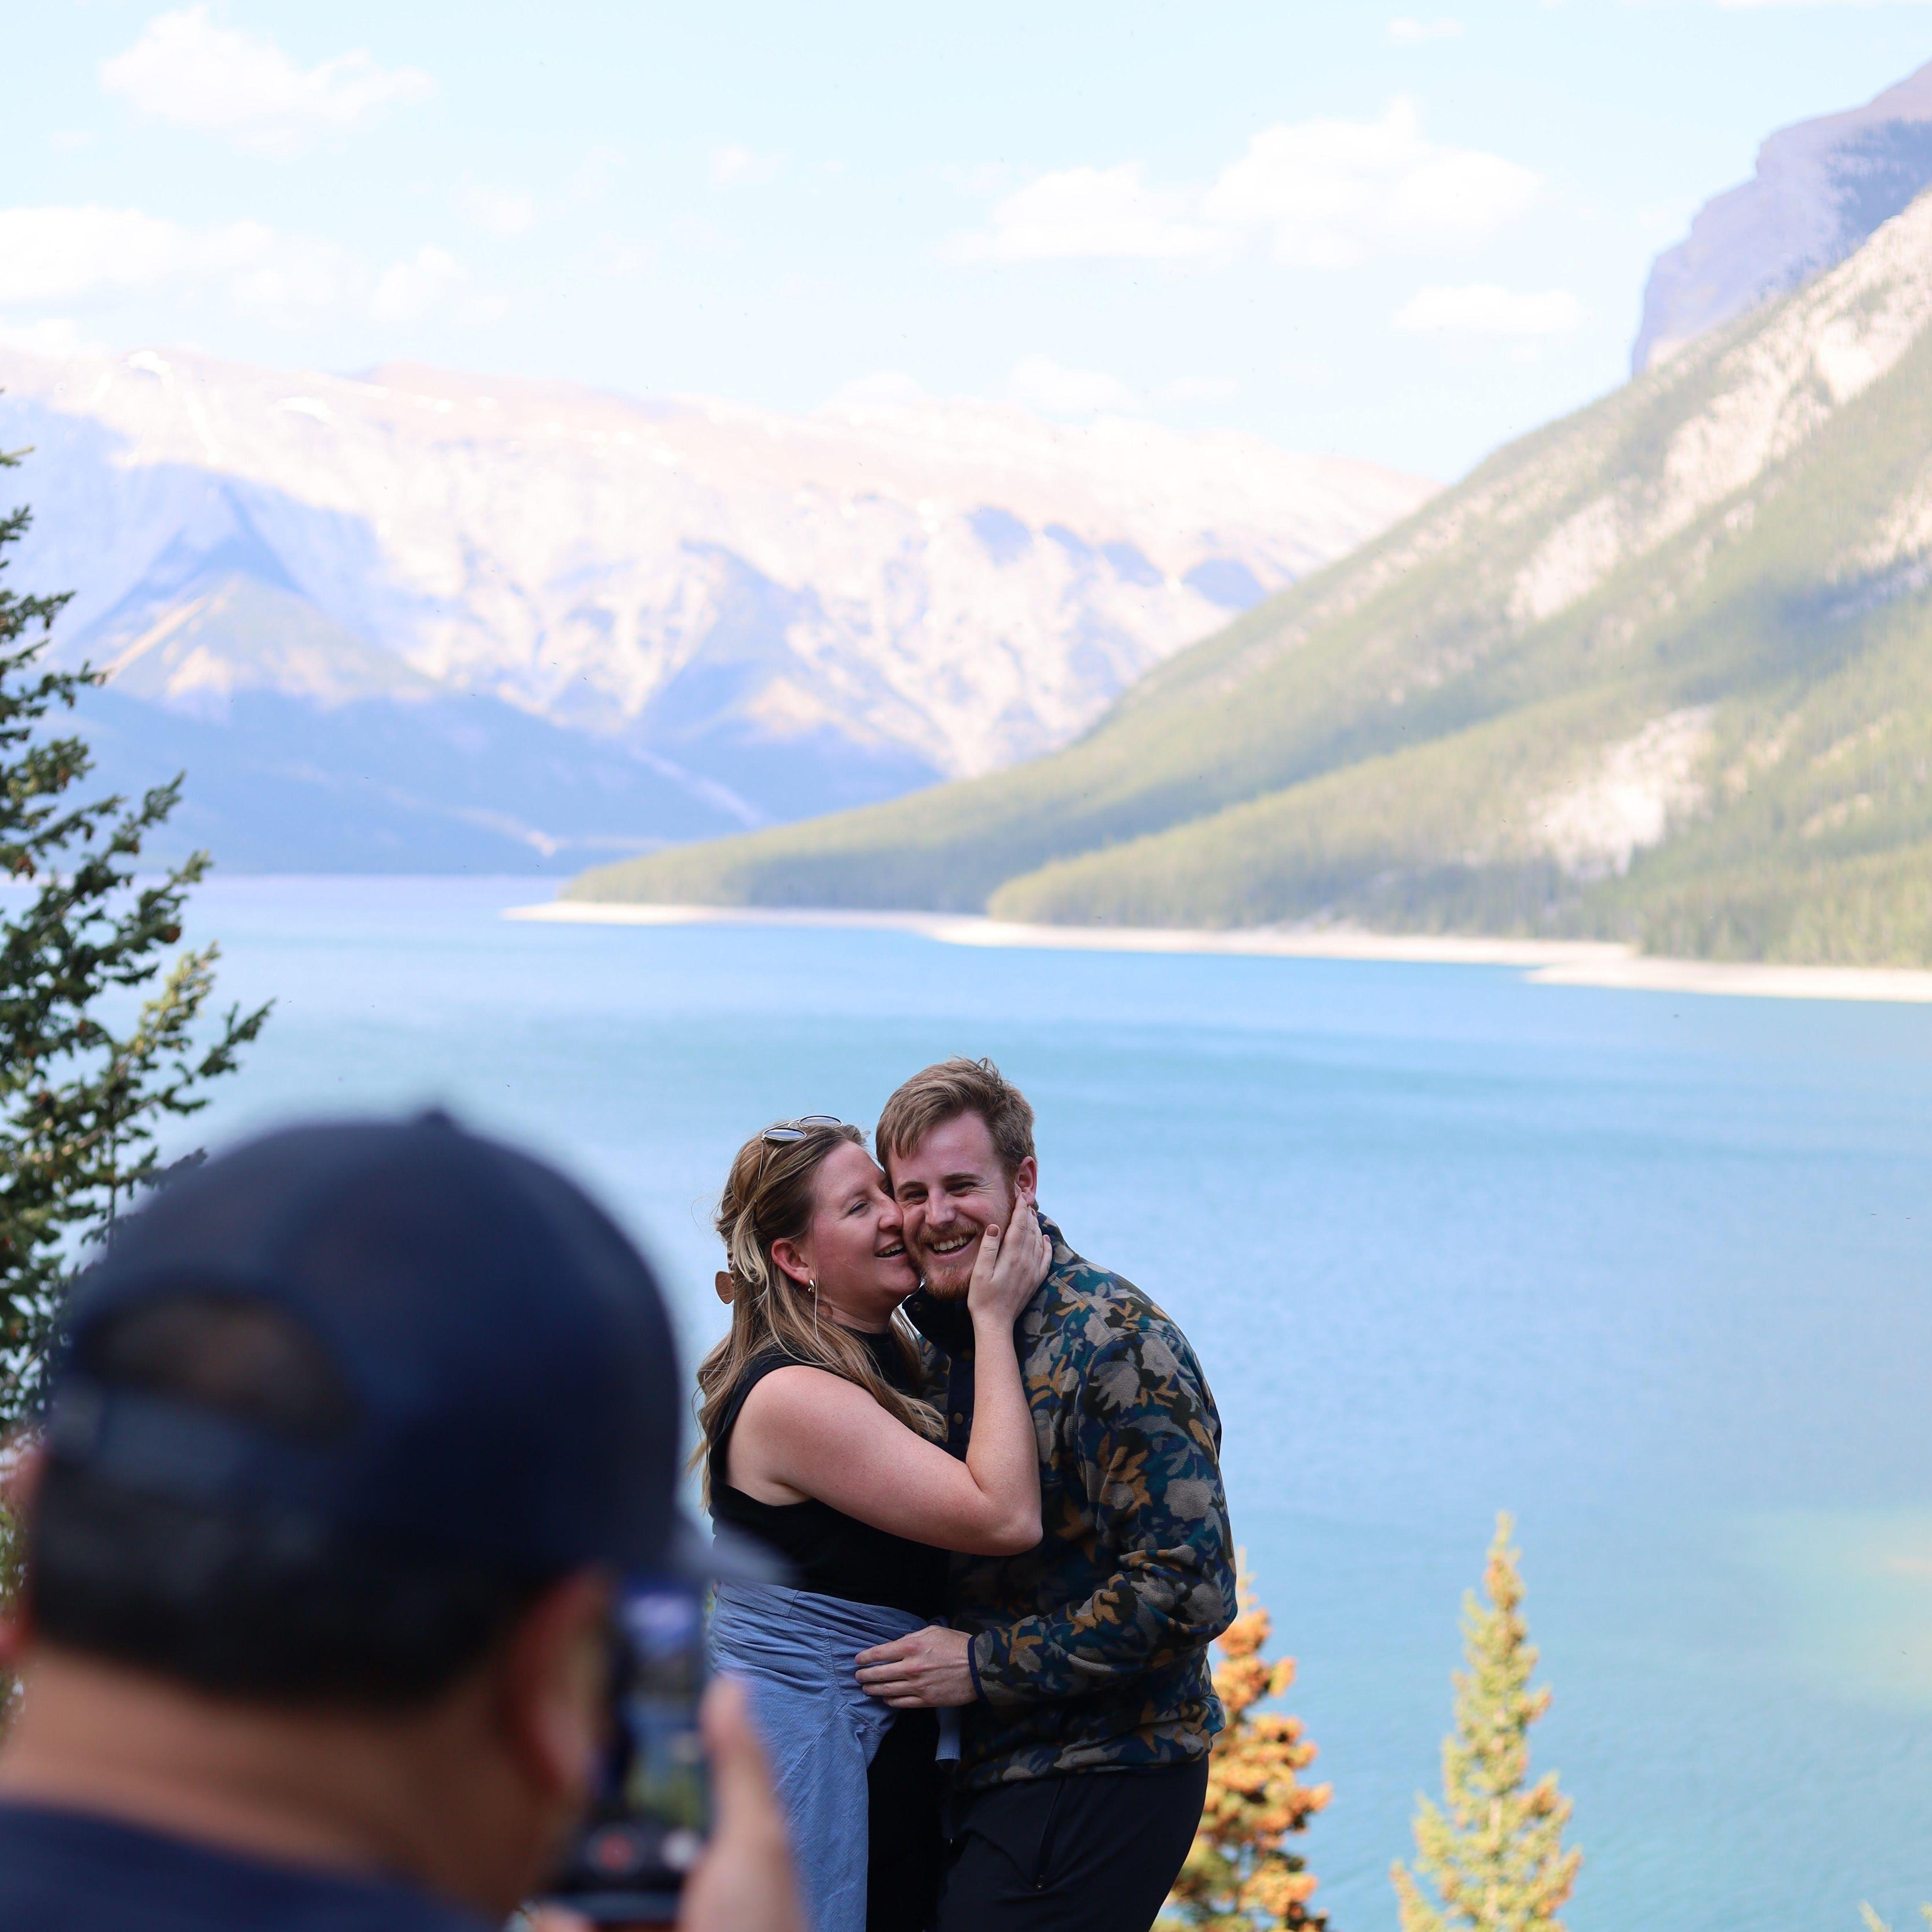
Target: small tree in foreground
x=1238, y=1877
x=1873, y=1923
x=1493, y=1850
x=80, y=1102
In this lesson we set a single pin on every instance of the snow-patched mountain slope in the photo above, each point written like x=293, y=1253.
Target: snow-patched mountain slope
x=1661, y=671
x=806, y=610
x=1820, y=188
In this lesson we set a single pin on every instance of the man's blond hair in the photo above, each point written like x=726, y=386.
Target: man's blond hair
x=942, y=1093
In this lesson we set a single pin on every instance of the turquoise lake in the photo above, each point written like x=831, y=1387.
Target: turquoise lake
x=1652, y=1271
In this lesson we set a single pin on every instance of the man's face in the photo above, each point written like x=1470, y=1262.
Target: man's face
x=951, y=1187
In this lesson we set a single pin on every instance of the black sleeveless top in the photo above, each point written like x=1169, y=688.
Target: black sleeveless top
x=830, y=1553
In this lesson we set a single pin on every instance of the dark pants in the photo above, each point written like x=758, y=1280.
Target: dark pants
x=905, y=1848
x=1091, y=1851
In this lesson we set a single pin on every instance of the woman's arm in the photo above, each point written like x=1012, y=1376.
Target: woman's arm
x=806, y=1432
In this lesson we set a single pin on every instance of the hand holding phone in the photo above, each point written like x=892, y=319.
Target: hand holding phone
x=677, y=1751
x=651, y=1813
x=744, y=1882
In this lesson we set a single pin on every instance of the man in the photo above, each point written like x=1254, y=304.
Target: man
x=354, y=1430
x=1083, y=1664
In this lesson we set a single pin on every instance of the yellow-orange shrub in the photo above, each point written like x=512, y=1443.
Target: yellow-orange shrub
x=1239, y=1877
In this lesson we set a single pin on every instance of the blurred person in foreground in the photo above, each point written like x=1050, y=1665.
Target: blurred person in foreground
x=1082, y=1664
x=354, y=1432
x=817, y=1441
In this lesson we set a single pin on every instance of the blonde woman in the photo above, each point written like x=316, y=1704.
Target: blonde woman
x=819, y=1442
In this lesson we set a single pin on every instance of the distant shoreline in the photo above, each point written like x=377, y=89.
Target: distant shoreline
x=1546, y=962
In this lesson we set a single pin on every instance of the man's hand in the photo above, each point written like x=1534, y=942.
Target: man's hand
x=744, y=1882
x=927, y=1671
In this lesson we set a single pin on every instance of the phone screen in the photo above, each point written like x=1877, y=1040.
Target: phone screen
x=653, y=1811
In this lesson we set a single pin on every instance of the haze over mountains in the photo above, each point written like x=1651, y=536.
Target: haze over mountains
x=1820, y=187
x=1660, y=670
x=423, y=621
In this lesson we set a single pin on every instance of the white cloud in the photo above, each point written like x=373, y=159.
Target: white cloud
x=888, y=389
x=1201, y=388
x=1052, y=389
x=508, y=212
x=593, y=180
x=92, y=256
x=1484, y=309
x=186, y=70
x=1407, y=32
x=1324, y=194
x=59, y=255
x=55, y=337
x=410, y=290
x=741, y=167
x=1090, y=212
x=624, y=260
x=976, y=183
x=294, y=276
x=1330, y=194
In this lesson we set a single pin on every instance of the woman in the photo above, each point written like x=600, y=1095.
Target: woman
x=817, y=1441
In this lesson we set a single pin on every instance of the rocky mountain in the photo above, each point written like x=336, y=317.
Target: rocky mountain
x=1821, y=188
x=1659, y=671
x=417, y=619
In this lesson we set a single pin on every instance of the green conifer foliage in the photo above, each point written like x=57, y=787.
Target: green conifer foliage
x=81, y=1102
x=1493, y=1850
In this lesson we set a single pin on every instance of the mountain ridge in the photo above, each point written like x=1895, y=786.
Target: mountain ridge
x=1819, y=189
x=770, y=615
x=1631, y=679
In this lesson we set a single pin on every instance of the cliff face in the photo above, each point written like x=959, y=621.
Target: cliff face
x=735, y=617
x=1821, y=188
x=1660, y=671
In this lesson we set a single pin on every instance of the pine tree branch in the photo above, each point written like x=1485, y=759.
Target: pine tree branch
x=83, y=1105
x=1493, y=1850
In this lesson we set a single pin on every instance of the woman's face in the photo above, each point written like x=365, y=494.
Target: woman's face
x=855, y=1247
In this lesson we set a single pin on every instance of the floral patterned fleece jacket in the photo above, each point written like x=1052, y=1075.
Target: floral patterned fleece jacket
x=1090, y=1651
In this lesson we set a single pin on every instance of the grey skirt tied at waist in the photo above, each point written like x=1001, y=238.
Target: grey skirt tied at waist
x=794, y=1651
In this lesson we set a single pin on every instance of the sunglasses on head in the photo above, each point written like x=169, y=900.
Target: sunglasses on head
x=787, y=1132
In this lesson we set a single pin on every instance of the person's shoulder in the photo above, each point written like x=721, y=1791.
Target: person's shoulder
x=1097, y=1308
x=787, y=1387
x=59, y=1867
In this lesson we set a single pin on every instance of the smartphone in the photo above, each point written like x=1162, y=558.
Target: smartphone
x=653, y=1811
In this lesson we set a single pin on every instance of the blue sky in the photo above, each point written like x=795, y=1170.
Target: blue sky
x=1351, y=228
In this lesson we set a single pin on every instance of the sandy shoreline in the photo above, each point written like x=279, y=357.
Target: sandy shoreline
x=1547, y=962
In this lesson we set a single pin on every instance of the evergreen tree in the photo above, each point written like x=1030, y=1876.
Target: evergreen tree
x=1873, y=1923
x=1238, y=1877
x=1493, y=1851
x=81, y=1103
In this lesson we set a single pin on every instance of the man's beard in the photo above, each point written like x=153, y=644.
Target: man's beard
x=955, y=1290
x=958, y=1273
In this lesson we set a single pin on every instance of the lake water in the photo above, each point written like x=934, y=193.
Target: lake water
x=1649, y=1271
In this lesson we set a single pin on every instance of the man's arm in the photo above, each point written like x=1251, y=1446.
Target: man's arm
x=1147, y=1445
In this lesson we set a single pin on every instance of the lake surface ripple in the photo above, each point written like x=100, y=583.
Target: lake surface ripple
x=1650, y=1270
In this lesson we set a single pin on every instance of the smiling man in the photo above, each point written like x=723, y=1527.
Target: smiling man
x=1082, y=1664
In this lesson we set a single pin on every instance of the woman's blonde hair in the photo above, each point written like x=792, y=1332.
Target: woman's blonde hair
x=770, y=1196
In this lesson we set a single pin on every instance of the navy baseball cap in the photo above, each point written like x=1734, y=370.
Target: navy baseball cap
x=514, y=1390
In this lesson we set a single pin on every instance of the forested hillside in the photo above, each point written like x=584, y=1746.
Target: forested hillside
x=1662, y=671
